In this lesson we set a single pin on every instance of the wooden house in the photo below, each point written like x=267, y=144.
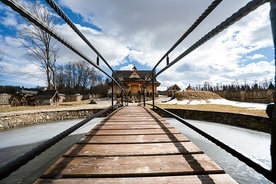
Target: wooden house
x=133, y=81
x=48, y=97
x=24, y=97
x=171, y=90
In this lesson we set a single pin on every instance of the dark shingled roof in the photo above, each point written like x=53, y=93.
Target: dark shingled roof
x=174, y=86
x=48, y=94
x=127, y=73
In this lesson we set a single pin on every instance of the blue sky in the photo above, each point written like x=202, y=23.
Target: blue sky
x=139, y=33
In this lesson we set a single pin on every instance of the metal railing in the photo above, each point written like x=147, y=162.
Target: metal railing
x=14, y=165
x=251, y=6
x=22, y=160
x=269, y=174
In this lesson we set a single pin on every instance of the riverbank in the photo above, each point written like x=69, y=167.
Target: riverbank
x=13, y=117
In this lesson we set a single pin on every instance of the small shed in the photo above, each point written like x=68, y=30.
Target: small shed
x=171, y=90
x=48, y=97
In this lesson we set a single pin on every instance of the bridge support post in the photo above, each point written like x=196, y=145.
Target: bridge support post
x=273, y=129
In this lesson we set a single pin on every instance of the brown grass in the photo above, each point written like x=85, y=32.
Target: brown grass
x=44, y=107
x=202, y=107
x=196, y=95
x=207, y=95
x=216, y=108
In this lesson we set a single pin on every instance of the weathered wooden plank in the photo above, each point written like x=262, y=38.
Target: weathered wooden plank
x=133, y=132
x=134, y=138
x=133, y=166
x=129, y=148
x=83, y=150
x=189, y=179
x=138, y=122
x=130, y=126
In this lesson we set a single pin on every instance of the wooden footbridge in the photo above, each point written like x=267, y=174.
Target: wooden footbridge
x=134, y=145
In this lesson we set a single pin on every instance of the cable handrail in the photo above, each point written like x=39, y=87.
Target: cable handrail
x=249, y=7
x=14, y=165
x=210, y=8
x=59, y=11
x=25, y=13
x=258, y=168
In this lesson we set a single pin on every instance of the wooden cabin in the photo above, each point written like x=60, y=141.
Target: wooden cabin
x=48, y=97
x=171, y=90
x=133, y=81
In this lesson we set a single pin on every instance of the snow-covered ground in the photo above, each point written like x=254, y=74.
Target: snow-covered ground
x=254, y=106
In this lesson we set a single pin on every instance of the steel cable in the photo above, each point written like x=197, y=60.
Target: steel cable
x=72, y=25
x=241, y=157
x=25, y=13
x=213, y=5
x=249, y=7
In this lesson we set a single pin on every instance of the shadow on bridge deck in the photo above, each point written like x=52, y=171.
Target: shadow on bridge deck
x=134, y=145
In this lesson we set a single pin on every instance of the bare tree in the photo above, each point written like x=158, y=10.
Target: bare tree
x=41, y=45
x=77, y=76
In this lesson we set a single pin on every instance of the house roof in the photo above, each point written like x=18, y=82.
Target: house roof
x=175, y=86
x=47, y=94
x=142, y=75
x=25, y=91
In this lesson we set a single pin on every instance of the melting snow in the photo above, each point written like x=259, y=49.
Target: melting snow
x=255, y=106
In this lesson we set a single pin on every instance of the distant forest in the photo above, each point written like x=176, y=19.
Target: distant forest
x=71, y=78
x=100, y=88
x=235, y=86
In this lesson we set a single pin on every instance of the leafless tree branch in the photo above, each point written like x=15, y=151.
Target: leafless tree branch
x=41, y=45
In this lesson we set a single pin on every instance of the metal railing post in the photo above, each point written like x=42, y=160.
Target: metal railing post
x=153, y=78
x=144, y=97
x=273, y=128
x=122, y=98
x=112, y=94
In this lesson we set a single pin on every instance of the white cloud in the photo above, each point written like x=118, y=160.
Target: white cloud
x=8, y=17
x=257, y=56
x=144, y=30
x=9, y=20
x=127, y=67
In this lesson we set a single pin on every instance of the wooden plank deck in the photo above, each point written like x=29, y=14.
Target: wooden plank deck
x=134, y=145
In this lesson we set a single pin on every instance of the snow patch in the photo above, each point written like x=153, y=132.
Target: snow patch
x=254, y=106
